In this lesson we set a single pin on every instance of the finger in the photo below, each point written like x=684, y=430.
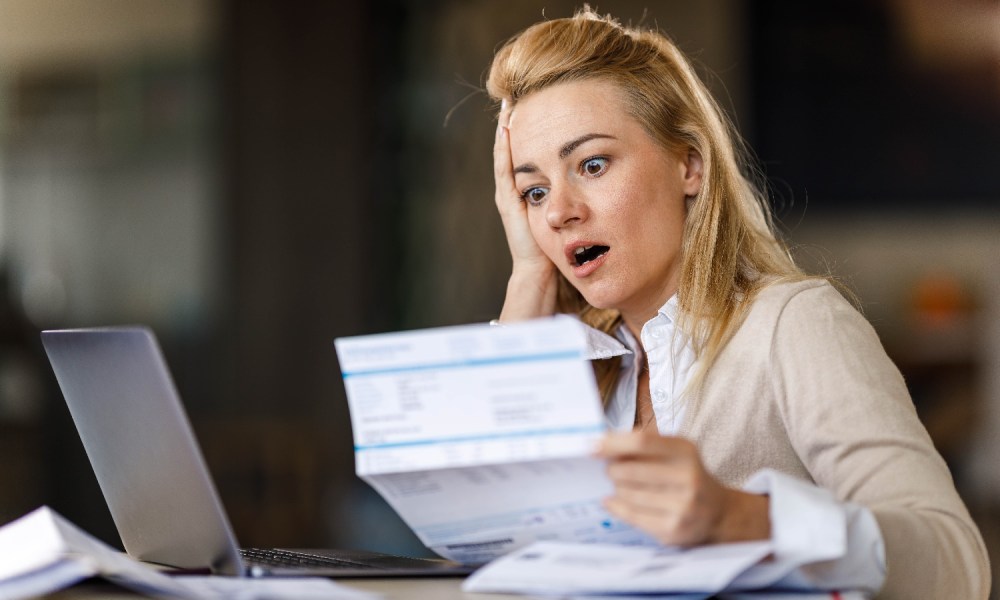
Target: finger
x=504, y=117
x=501, y=148
x=503, y=122
x=502, y=165
x=507, y=196
x=671, y=518
x=639, y=505
x=649, y=474
x=656, y=499
x=643, y=444
x=502, y=160
x=665, y=526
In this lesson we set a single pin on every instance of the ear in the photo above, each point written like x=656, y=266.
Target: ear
x=693, y=167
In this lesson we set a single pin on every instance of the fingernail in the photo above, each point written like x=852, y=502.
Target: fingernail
x=503, y=104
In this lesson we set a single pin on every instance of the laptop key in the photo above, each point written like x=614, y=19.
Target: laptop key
x=271, y=557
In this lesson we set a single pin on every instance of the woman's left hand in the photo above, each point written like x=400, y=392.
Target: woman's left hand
x=662, y=488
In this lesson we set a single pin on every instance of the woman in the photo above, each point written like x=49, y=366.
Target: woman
x=750, y=401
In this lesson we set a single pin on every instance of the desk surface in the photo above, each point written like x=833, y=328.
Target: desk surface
x=424, y=588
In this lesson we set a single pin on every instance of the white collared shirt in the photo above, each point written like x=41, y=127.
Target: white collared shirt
x=670, y=359
x=806, y=521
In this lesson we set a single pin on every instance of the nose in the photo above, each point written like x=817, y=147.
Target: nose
x=563, y=207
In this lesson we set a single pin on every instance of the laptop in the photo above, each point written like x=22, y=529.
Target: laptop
x=154, y=479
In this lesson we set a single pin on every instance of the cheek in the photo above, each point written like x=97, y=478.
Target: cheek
x=624, y=207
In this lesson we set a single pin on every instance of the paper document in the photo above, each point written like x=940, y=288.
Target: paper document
x=568, y=569
x=481, y=437
x=758, y=595
x=612, y=572
x=42, y=552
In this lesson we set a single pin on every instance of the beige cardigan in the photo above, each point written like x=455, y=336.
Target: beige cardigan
x=805, y=387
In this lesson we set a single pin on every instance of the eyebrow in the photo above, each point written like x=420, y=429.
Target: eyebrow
x=566, y=150
x=572, y=145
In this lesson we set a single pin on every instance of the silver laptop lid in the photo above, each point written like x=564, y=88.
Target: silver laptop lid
x=142, y=448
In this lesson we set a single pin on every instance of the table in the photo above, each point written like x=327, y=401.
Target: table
x=423, y=588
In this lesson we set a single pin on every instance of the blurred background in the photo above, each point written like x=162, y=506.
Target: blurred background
x=252, y=179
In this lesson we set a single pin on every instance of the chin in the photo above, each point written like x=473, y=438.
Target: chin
x=601, y=299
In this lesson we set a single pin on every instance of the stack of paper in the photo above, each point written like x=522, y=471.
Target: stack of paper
x=43, y=552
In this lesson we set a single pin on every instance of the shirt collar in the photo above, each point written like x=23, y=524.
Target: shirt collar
x=669, y=310
x=601, y=345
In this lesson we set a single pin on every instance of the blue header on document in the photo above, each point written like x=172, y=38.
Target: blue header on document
x=570, y=355
x=482, y=438
x=548, y=338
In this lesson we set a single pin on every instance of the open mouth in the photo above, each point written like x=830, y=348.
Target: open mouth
x=585, y=254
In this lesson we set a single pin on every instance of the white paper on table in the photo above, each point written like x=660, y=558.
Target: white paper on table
x=42, y=552
x=592, y=569
x=851, y=595
x=613, y=572
x=481, y=437
x=674, y=596
x=759, y=595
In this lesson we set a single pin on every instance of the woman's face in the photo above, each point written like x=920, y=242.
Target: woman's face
x=606, y=203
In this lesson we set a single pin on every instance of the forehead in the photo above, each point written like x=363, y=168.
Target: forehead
x=565, y=110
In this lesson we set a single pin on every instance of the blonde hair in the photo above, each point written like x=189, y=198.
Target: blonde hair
x=729, y=249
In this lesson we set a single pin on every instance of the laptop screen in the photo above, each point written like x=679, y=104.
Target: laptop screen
x=137, y=436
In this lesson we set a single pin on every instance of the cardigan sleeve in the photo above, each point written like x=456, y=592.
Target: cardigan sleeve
x=852, y=423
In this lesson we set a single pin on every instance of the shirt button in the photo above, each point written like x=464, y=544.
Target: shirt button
x=659, y=396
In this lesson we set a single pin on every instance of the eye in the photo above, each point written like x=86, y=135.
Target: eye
x=535, y=196
x=595, y=166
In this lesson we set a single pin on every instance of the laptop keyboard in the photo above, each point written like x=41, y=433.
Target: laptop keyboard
x=271, y=557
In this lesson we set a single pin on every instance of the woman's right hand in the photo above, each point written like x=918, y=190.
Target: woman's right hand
x=531, y=290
